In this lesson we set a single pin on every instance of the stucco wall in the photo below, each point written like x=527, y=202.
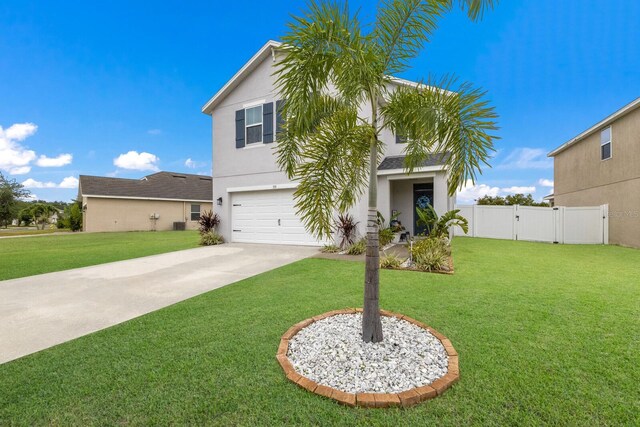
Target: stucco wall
x=104, y=214
x=255, y=165
x=582, y=179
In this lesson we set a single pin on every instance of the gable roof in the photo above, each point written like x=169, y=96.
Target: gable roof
x=602, y=123
x=246, y=69
x=397, y=162
x=264, y=52
x=160, y=185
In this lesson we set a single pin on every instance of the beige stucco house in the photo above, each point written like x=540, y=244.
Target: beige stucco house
x=602, y=166
x=257, y=197
x=160, y=201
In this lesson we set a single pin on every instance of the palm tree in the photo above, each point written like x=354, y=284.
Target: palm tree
x=335, y=80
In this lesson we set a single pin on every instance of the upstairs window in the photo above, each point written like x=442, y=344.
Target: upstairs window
x=253, y=124
x=605, y=143
x=195, y=212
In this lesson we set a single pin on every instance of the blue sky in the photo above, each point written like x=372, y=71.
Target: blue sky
x=85, y=85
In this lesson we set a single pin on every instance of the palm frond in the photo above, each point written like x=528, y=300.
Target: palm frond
x=332, y=169
x=323, y=52
x=403, y=27
x=475, y=8
x=435, y=118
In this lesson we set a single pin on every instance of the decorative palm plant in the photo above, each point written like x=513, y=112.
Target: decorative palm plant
x=339, y=96
x=438, y=226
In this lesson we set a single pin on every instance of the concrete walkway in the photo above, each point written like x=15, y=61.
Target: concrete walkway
x=40, y=311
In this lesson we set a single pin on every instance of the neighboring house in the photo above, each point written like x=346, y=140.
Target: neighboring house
x=255, y=199
x=155, y=202
x=53, y=218
x=602, y=166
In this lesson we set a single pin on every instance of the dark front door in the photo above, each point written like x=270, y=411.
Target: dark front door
x=422, y=196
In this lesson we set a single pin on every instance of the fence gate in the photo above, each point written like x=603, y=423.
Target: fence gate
x=576, y=225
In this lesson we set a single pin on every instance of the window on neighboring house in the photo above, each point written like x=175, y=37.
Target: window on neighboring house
x=605, y=143
x=195, y=212
x=253, y=124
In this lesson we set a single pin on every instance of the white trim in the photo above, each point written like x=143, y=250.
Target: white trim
x=402, y=171
x=247, y=126
x=254, y=104
x=603, y=123
x=286, y=186
x=610, y=142
x=145, y=198
x=412, y=176
x=254, y=145
x=235, y=80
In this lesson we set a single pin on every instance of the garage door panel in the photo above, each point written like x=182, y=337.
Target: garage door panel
x=267, y=217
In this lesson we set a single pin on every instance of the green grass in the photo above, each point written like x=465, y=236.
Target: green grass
x=11, y=232
x=546, y=335
x=26, y=256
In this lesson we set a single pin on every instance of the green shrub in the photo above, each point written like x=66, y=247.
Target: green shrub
x=430, y=254
x=390, y=261
x=385, y=236
x=210, y=238
x=358, y=248
x=330, y=249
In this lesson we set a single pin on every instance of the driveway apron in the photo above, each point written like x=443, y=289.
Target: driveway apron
x=41, y=311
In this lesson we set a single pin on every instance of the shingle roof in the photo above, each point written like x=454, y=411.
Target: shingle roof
x=397, y=162
x=160, y=185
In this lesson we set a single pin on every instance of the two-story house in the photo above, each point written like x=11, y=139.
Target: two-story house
x=254, y=198
x=602, y=166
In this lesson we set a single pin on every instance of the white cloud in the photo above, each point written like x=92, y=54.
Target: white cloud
x=137, y=161
x=53, y=162
x=22, y=170
x=527, y=158
x=154, y=131
x=68, y=182
x=469, y=192
x=19, y=131
x=518, y=190
x=193, y=164
x=545, y=182
x=14, y=158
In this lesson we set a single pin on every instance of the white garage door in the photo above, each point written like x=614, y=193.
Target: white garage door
x=267, y=217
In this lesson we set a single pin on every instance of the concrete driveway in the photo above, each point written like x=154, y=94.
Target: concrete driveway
x=40, y=311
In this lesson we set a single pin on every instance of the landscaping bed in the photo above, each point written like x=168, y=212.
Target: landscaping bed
x=326, y=355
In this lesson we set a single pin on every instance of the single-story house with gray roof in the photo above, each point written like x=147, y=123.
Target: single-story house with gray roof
x=160, y=201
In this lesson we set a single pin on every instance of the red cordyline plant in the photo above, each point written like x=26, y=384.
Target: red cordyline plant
x=346, y=228
x=208, y=221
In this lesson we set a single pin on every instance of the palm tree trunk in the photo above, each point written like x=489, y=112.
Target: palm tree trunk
x=371, y=324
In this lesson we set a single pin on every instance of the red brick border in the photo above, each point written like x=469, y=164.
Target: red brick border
x=371, y=400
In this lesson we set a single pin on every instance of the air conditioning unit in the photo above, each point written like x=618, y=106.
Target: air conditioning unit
x=179, y=226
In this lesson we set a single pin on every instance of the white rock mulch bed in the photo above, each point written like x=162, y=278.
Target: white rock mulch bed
x=331, y=352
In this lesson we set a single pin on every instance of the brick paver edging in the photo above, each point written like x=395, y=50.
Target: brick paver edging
x=371, y=400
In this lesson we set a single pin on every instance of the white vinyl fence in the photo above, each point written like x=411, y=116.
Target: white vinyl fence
x=560, y=224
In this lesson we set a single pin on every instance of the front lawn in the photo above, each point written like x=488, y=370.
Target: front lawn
x=546, y=335
x=26, y=256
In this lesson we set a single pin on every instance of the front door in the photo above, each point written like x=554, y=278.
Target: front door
x=422, y=196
